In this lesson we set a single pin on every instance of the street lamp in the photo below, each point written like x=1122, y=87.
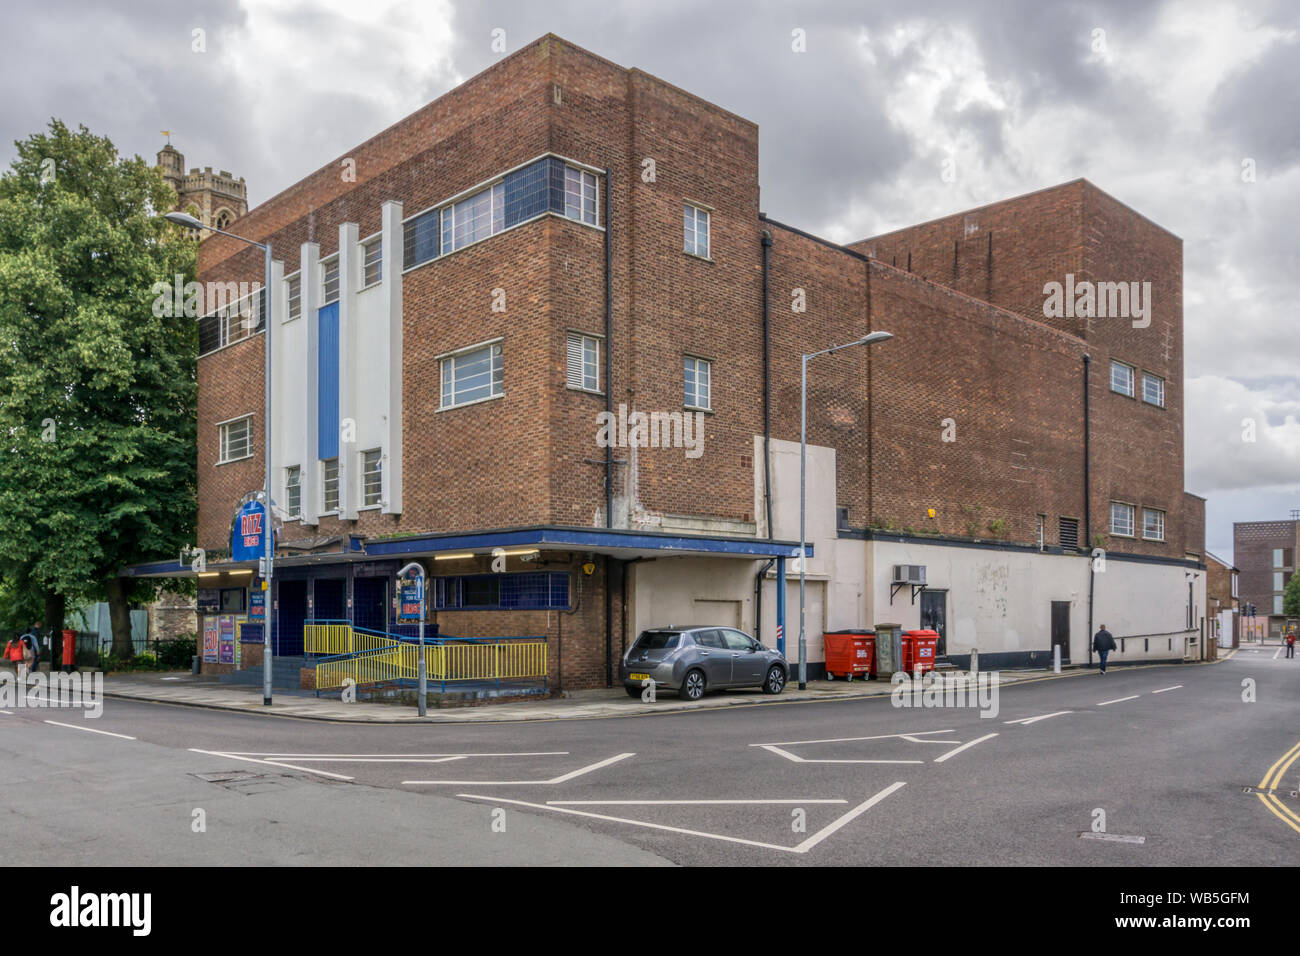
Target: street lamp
x=189, y=222
x=803, y=471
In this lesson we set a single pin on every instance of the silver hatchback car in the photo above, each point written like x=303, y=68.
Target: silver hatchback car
x=692, y=660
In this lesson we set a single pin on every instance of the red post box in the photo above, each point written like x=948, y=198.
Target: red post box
x=69, y=649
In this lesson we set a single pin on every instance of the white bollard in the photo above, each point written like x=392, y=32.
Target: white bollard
x=1056, y=658
x=974, y=660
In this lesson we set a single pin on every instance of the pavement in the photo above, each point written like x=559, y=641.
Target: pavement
x=184, y=688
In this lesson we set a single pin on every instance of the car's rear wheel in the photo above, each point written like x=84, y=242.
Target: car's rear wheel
x=692, y=686
x=774, y=683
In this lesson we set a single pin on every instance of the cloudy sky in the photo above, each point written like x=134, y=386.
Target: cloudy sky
x=1164, y=105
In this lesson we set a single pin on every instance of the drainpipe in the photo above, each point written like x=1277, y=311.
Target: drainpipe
x=1087, y=493
x=609, y=357
x=609, y=408
x=767, y=428
x=767, y=381
x=758, y=599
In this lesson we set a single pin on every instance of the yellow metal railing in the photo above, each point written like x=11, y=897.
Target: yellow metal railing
x=340, y=638
x=504, y=660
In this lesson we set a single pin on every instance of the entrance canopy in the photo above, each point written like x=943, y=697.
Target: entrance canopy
x=615, y=542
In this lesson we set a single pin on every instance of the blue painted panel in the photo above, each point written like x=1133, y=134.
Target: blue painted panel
x=327, y=383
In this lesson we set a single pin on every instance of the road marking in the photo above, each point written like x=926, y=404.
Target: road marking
x=271, y=763
x=89, y=730
x=1277, y=654
x=1271, y=779
x=1032, y=720
x=912, y=737
x=1112, y=837
x=840, y=740
x=9, y=713
x=675, y=803
x=953, y=753
x=1118, y=700
x=1163, y=689
x=773, y=748
x=801, y=848
x=562, y=778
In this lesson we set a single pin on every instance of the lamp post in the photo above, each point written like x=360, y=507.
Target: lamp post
x=189, y=222
x=803, y=472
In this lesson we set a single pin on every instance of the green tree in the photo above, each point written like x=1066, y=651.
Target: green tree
x=97, y=392
x=1291, y=597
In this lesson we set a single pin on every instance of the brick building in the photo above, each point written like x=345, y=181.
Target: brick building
x=561, y=239
x=1265, y=552
x=1223, y=608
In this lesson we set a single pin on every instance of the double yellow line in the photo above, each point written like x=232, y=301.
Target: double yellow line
x=1273, y=781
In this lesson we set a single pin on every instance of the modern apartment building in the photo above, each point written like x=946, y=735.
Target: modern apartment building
x=544, y=316
x=1265, y=554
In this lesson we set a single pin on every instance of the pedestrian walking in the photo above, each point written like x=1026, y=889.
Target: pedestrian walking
x=1103, y=642
x=1290, y=644
x=31, y=647
x=14, y=653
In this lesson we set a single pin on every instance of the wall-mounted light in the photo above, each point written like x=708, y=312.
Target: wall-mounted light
x=453, y=557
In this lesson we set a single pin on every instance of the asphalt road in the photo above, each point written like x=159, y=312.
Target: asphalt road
x=1164, y=752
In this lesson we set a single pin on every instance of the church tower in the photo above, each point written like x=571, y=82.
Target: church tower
x=215, y=199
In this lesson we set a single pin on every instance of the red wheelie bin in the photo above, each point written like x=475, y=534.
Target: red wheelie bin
x=850, y=653
x=919, y=650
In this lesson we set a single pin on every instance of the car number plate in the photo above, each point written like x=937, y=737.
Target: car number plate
x=638, y=676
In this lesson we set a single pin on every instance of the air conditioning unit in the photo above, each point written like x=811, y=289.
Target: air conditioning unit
x=909, y=574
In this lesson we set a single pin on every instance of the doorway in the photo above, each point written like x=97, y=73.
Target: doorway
x=934, y=616
x=1061, y=628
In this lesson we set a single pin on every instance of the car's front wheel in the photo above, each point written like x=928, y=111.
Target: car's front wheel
x=692, y=686
x=774, y=683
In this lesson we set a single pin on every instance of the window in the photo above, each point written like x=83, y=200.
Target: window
x=330, y=484
x=472, y=376
x=528, y=590
x=473, y=219
x=232, y=600
x=1153, y=389
x=697, y=382
x=420, y=239
x=711, y=638
x=236, y=439
x=1277, y=604
x=330, y=281
x=1281, y=557
x=372, y=477
x=1069, y=532
x=1121, y=519
x=293, y=297
x=1042, y=531
x=579, y=195
x=293, y=491
x=1279, y=580
x=584, y=362
x=737, y=641
x=1121, y=378
x=1153, y=524
x=372, y=261
x=1277, y=557
x=697, y=230
x=234, y=320
x=546, y=185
